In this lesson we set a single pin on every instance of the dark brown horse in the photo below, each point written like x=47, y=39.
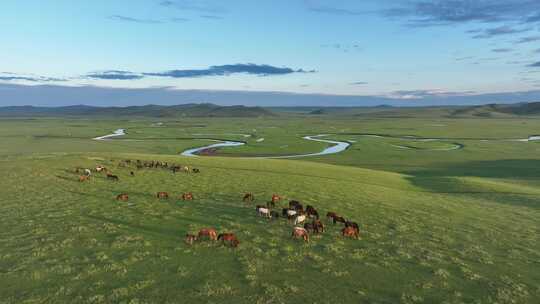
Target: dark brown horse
x=229, y=237
x=112, y=177
x=122, y=197
x=211, y=233
x=161, y=195
x=318, y=226
x=248, y=197
x=339, y=219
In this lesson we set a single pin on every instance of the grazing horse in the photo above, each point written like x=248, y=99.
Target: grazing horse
x=190, y=238
x=299, y=232
x=312, y=212
x=263, y=212
x=299, y=219
x=83, y=178
x=188, y=196
x=195, y=170
x=100, y=169
x=352, y=224
x=87, y=172
x=291, y=214
x=112, y=177
x=208, y=232
x=309, y=227
x=350, y=232
x=122, y=197
x=229, y=237
x=331, y=216
x=161, y=195
x=275, y=198
x=318, y=226
x=248, y=197
x=339, y=219
x=293, y=204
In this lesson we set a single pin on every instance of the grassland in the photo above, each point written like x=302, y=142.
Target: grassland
x=458, y=226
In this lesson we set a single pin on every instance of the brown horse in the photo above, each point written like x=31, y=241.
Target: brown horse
x=248, y=197
x=339, y=219
x=299, y=232
x=122, y=197
x=112, y=177
x=229, y=237
x=188, y=196
x=83, y=178
x=331, y=215
x=161, y=195
x=190, y=238
x=350, y=232
x=318, y=226
x=208, y=232
x=352, y=224
x=275, y=198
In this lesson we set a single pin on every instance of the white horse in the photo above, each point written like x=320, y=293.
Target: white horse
x=87, y=172
x=299, y=219
x=291, y=213
x=264, y=212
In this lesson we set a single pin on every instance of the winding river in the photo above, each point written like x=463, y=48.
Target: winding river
x=336, y=146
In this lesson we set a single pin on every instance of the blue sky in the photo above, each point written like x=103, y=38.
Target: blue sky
x=416, y=51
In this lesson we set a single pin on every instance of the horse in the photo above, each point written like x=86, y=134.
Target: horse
x=299, y=232
x=208, y=232
x=331, y=214
x=100, y=169
x=87, y=172
x=309, y=227
x=293, y=204
x=248, y=197
x=161, y=195
x=352, y=224
x=229, y=237
x=275, y=198
x=291, y=214
x=122, y=197
x=83, y=178
x=190, y=238
x=299, y=219
x=339, y=219
x=312, y=212
x=263, y=212
x=318, y=226
x=112, y=177
x=188, y=196
x=350, y=232
x=195, y=170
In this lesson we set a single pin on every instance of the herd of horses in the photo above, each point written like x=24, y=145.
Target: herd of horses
x=306, y=221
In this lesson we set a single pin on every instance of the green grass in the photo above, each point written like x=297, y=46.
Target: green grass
x=437, y=226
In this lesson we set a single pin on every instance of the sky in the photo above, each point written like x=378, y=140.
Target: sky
x=269, y=52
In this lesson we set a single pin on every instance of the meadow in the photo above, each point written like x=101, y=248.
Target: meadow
x=436, y=225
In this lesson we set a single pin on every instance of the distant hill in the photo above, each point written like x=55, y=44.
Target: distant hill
x=498, y=110
x=185, y=110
